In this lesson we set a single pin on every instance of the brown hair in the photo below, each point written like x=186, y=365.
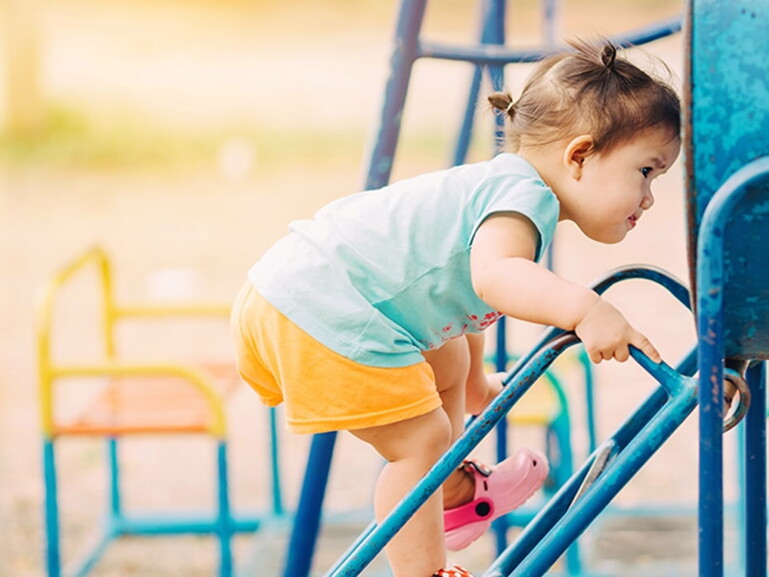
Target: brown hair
x=588, y=91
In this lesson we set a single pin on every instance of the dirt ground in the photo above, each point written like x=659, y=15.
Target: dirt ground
x=275, y=103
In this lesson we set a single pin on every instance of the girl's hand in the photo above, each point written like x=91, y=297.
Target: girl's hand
x=492, y=386
x=481, y=388
x=606, y=335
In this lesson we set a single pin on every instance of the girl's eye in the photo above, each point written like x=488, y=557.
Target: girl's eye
x=646, y=170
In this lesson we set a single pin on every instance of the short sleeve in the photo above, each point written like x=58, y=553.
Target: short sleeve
x=530, y=197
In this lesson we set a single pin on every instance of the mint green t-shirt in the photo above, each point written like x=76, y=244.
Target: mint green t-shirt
x=382, y=275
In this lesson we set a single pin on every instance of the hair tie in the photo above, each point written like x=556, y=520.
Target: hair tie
x=608, y=55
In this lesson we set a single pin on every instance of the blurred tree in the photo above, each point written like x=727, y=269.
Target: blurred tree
x=23, y=98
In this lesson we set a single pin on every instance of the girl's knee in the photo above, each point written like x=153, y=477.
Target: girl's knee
x=428, y=435
x=437, y=436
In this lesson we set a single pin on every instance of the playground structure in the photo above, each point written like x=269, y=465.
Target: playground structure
x=727, y=203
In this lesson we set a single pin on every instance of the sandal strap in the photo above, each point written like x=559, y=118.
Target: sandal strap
x=476, y=510
x=473, y=466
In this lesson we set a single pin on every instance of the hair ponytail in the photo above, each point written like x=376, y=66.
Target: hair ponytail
x=503, y=101
x=608, y=55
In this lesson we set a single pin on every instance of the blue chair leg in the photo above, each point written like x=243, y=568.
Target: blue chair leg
x=277, y=496
x=224, y=526
x=53, y=551
x=115, y=512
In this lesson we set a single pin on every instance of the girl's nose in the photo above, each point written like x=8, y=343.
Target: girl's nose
x=648, y=200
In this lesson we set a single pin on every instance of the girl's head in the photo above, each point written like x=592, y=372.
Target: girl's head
x=588, y=91
x=599, y=130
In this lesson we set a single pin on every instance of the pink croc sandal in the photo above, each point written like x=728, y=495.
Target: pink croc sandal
x=497, y=492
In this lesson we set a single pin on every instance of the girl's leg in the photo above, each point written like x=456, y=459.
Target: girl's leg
x=463, y=386
x=451, y=366
x=411, y=447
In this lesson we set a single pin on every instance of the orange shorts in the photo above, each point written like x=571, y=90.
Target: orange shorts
x=323, y=390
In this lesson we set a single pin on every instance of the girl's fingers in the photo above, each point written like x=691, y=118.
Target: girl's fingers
x=621, y=354
x=645, y=346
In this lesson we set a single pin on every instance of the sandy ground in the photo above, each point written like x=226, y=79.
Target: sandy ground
x=193, y=231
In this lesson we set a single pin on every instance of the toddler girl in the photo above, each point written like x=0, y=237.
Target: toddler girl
x=370, y=316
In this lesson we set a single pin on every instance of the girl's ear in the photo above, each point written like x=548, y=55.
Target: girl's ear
x=575, y=153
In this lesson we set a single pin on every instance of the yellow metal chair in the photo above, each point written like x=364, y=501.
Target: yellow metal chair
x=133, y=398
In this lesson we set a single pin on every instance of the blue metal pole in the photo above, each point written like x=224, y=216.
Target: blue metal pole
x=710, y=289
x=491, y=55
x=501, y=525
x=711, y=505
x=86, y=563
x=755, y=474
x=405, y=52
x=494, y=17
x=381, y=156
x=304, y=532
x=468, y=119
x=550, y=21
x=739, y=509
x=592, y=431
x=492, y=32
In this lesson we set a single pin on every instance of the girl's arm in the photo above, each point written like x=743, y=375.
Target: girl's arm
x=505, y=277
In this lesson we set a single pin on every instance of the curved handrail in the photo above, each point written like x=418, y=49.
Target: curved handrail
x=44, y=322
x=629, y=272
x=712, y=226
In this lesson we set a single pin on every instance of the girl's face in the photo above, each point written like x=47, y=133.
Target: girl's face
x=610, y=192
